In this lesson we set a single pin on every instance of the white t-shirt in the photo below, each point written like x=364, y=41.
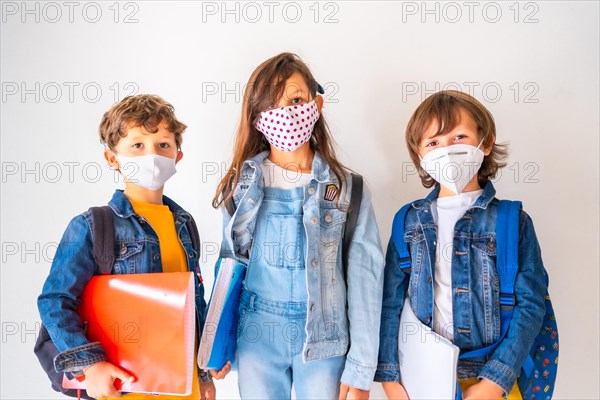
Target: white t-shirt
x=446, y=212
x=281, y=178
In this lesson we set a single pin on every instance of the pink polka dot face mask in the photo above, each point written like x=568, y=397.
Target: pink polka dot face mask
x=288, y=128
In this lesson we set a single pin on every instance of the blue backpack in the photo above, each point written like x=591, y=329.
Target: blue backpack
x=536, y=381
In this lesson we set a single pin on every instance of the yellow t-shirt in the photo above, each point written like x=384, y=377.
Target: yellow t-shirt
x=514, y=394
x=162, y=221
x=173, y=260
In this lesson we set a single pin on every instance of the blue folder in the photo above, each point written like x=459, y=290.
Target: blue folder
x=218, y=341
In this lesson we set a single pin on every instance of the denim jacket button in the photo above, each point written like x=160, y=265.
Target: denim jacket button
x=123, y=249
x=311, y=190
x=308, y=353
x=328, y=218
x=156, y=257
x=315, y=262
x=312, y=307
x=491, y=245
x=314, y=220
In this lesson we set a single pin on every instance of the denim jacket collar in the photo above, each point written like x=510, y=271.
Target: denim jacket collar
x=320, y=169
x=489, y=192
x=121, y=206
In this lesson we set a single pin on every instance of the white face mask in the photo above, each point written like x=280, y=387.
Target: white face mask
x=149, y=171
x=288, y=128
x=453, y=166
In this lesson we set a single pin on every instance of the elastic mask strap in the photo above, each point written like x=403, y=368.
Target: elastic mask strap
x=480, y=143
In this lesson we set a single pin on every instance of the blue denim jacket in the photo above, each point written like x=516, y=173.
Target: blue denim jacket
x=476, y=290
x=136, y=251
x=342, y=317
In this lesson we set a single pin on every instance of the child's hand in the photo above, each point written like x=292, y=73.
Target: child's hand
x=208, y=391
x=483, y=390
x=223, y=372
x=394, y=391
x=355, y=394
x=100, y=379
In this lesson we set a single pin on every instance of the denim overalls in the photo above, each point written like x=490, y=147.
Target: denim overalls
x=341, y=312
x=273, y=308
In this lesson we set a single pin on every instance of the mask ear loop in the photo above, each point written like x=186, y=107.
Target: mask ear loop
x=480, y=143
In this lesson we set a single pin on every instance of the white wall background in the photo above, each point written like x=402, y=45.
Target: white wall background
x=534, y=64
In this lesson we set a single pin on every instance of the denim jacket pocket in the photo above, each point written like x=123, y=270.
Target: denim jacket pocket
x=485, y=251
x=332, y=221
x=128, y=256
x=415, y=238
x=417, y=244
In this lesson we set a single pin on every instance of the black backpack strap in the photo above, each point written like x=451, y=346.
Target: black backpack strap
x=103, y=242
x=229, y=203
x=352, y=218
x=194, y=235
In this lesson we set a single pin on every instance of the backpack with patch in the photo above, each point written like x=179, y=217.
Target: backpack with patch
x=103, y=244
x=538, y=373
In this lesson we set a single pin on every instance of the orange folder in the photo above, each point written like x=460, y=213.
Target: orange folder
x=146, y=325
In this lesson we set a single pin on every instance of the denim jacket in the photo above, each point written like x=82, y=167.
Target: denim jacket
x=136, y=251
x=342, y=317
x=475, y=287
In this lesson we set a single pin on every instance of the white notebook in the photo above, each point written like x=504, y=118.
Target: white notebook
x=428, y=361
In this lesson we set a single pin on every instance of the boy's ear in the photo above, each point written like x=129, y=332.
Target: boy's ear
x=319, y=101
x=111, y=158
x=488, y=149
x=179, y=156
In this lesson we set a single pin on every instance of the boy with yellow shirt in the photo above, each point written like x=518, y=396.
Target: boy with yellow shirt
x=143, y=142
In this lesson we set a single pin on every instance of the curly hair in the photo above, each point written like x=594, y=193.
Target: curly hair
x=145, y=110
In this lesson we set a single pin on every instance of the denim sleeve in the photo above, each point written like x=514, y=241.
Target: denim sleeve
x=72, y=268
x=365, y=282
x=531, y=286
x=395, y=285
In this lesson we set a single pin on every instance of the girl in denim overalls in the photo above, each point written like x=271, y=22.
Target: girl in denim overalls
x=454, y=283
x=300, y=324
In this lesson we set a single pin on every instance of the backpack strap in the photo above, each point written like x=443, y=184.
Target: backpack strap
x=103, y=242
x=507, y=250
x=195, y=237
x=507, y=263
x=352, y=217
x=398, y=238
x=229, y=206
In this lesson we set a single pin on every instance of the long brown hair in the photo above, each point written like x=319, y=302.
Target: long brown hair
x=264, y=89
